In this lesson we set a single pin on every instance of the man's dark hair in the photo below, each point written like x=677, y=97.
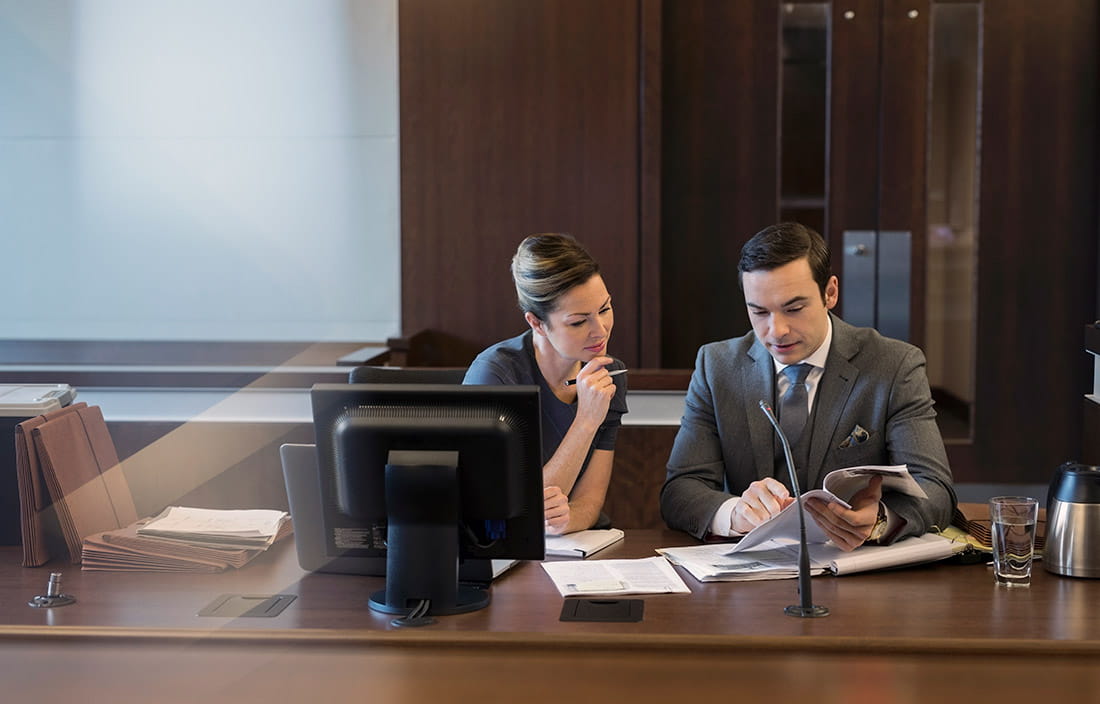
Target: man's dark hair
x=781, y=244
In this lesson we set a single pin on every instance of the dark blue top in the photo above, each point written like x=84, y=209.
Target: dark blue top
x=513, y=362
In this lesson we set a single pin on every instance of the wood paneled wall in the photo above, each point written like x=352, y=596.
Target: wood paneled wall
x=1038, y=244
x=719, y=169
x=516, y=118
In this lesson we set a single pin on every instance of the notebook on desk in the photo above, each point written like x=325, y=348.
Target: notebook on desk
x=303, y=490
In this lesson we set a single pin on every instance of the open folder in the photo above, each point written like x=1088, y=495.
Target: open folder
x=70, y=481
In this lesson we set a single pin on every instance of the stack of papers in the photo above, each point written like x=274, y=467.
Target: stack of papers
x=186, y=540
x=248, y=529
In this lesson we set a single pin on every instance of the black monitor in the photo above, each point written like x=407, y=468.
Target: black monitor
x=427, y=475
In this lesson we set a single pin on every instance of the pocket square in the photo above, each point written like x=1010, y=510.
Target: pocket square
x=858, y=436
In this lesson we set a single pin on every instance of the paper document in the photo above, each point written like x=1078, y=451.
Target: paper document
x=245, y=528
x=717, y=562
x=840, y=485
x=650, y=575
x=713, y=562
x=582, y=543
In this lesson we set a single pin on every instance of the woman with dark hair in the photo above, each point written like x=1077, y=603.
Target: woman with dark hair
x=564, y=352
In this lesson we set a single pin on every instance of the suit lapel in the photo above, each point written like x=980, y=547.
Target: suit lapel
x=836, y=386
x=759, y=385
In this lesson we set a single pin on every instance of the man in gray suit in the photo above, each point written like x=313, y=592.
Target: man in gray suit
x=864, y=400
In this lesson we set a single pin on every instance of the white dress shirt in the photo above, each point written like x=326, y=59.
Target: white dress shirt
x=720, y=524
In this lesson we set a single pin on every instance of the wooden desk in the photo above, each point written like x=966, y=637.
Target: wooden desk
x=941, y=632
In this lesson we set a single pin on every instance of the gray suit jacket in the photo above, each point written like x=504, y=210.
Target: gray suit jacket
x=725, y=441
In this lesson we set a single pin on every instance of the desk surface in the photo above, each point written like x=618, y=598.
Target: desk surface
x=889, y=632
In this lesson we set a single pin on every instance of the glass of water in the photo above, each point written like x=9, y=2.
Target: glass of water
x=1013, y=520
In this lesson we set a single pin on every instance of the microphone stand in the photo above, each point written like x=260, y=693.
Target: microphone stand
x=806, y=609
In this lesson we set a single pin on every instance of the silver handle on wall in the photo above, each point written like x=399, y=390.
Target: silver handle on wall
x=875, y=291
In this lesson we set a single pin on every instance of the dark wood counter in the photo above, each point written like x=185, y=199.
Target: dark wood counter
x=945, y=631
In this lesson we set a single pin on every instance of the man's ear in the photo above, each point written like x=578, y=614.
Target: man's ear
x=536, y=324
x=832, y=292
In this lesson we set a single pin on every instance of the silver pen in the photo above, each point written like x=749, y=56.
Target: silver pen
x=615, y=372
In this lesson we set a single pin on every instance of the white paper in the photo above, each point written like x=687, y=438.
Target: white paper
x=237, y=523
x=650, y=575
x=715, y=563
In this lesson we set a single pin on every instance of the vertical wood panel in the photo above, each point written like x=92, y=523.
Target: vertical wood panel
x=853, y=126
x=649, y=187
x=641, y=459
x=516, y=117
x=1037, y=242
x=719, y=165
x=904, y=149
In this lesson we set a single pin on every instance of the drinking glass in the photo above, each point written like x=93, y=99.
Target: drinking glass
x=1013, y=519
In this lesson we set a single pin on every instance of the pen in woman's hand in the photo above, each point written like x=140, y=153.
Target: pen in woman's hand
x=616, y=372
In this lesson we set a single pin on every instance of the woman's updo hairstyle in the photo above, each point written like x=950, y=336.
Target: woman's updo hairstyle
x=545, y=267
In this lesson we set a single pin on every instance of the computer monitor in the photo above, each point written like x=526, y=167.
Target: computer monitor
x=427, y=475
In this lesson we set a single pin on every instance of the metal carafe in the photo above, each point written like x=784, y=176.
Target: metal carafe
x=1072, y=546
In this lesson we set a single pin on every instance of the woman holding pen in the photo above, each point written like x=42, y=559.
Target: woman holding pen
x=564, y=352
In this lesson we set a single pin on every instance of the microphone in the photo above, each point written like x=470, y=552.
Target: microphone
x=807, y=609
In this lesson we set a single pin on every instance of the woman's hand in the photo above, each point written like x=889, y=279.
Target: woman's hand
x=595, y=389
x=555, y=505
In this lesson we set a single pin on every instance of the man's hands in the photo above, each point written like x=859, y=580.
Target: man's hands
x=763, y=499
x=849, y=528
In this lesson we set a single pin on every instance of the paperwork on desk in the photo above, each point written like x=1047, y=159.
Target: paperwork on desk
x=583, y=543
x=186, y=540
x=650, y=575
x=721, y=562
x=236, y=528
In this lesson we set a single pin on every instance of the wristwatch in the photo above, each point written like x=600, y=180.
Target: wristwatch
x=879, y=529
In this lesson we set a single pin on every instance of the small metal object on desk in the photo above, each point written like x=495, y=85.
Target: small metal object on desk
x=53, y=596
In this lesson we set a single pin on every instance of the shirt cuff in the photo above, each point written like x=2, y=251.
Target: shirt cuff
x=720, y=524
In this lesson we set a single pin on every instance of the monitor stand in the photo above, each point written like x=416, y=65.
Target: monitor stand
x=423, y=510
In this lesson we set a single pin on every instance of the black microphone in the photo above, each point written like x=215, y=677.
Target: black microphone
x=806, y=609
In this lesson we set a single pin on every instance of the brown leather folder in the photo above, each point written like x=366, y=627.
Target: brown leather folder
x=40, y=530
x=79, y=466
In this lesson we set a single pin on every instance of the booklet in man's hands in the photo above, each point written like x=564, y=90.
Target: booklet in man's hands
x=840, y=485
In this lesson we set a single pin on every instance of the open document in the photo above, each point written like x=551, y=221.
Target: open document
x=720, y=562
x=770, y=551
x=840, y=485
x=650, y=575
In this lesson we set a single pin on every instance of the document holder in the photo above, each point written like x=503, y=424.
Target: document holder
x=71, y=453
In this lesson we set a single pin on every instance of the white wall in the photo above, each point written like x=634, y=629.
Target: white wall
x=199, y=169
